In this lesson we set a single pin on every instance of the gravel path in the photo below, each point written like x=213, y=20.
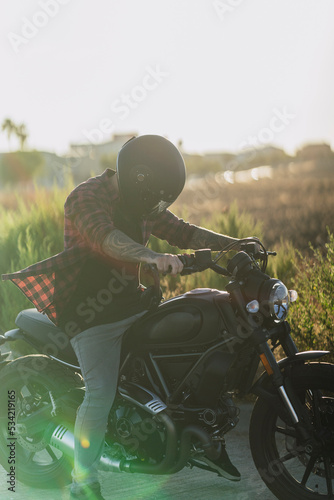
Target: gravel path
x=188, y=484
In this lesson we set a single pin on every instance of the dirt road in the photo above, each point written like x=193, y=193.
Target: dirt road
x=186, y=485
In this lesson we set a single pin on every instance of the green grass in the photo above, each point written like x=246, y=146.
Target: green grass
x=312, y=316
x=29, y=233
x=33, y=231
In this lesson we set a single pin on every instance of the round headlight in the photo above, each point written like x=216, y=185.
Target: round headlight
x=279, y=301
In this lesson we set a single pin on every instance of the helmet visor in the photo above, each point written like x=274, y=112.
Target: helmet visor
x=153, y=205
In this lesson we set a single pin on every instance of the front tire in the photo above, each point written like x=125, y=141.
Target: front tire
x=288, y=470
x=25, y=387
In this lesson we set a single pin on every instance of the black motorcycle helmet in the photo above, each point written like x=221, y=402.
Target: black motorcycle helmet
x=151, y=175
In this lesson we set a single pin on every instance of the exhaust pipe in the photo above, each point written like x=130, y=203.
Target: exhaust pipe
x=63, y=440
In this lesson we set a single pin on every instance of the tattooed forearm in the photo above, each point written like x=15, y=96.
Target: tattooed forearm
x=119, y=246
x=203, y=238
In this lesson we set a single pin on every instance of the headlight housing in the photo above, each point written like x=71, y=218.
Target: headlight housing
x=268, y=296
x=279, y=301
x=275, y=300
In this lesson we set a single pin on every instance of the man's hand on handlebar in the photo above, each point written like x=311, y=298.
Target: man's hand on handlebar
x=166, y=263
x=254, y=247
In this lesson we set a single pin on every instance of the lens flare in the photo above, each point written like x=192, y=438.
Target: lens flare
x=85, y=443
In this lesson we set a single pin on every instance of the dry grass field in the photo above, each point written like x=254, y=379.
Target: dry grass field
x=289, y=210
x=296, y=204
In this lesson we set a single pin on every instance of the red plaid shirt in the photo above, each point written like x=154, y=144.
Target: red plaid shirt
x=89, y=211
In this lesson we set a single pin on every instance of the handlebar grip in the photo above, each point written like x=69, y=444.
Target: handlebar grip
x=187, y=259
x=192, y=263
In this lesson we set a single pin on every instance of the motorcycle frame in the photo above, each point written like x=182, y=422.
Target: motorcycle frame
x=256, y=343
x=258, y=350
x=151, y=361
x=272, y=377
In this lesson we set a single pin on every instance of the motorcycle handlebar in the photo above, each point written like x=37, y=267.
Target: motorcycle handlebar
x=195, y=262
x=201, y=260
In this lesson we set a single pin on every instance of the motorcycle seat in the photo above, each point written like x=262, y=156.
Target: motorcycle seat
x=29, y=319
x=46, y=337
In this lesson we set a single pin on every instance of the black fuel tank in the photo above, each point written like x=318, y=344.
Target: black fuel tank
x=192, y=319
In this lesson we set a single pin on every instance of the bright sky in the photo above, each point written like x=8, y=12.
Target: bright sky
x=220, y=75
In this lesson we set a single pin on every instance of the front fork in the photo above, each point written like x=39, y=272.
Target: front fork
x=294, y=408
x=273, y=370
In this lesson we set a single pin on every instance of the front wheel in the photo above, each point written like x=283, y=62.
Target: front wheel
x=27, y=387
x=287, y=468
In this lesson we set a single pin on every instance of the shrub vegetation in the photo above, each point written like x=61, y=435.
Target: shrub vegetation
x=21, y=165
x=32, y=231
x=312, y=318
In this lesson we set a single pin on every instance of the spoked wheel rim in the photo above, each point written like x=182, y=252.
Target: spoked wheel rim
x=36, y=455
x=310, y=467
x=30, y=393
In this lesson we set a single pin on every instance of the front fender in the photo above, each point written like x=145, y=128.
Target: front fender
x=263, y=386
x=301, y=357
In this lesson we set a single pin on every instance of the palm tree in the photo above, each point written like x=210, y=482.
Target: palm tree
x=8, y=126
x=22, y=134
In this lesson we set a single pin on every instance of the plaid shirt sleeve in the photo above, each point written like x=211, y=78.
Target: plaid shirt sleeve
x=88, y=215
x=174, y=230
x=49, y=284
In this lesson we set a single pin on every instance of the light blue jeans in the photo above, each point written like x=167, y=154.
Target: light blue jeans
x=98, y=351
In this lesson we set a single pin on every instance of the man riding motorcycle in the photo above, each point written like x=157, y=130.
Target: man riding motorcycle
x=91, y=289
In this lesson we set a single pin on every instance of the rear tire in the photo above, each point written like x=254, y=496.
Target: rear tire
x=25, y=386
x=288, y=470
